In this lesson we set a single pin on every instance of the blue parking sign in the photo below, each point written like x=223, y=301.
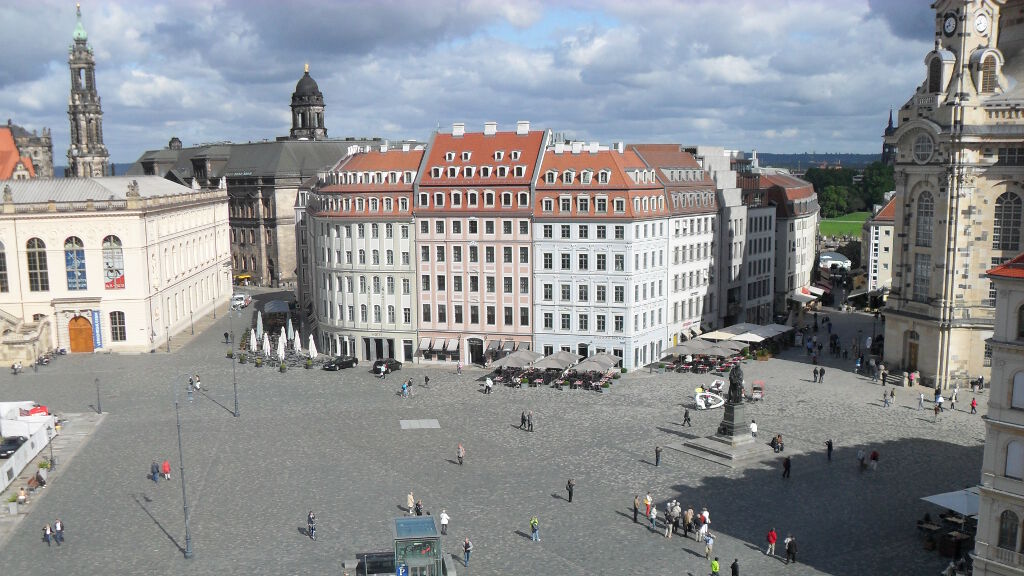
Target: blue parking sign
x=402, y=570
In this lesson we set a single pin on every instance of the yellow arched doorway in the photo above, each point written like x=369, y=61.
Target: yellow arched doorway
x=80, y=334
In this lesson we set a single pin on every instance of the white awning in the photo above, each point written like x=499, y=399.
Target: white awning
x=963, y=502
x=424, y=343
x=695, y=331
x=452, y=345
x=816, y=291
x=717, y=335
x=748, y=337
x=493, y=344
x=802, y=298
x=509, y=346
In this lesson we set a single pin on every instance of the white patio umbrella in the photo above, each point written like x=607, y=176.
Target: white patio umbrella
x=312, y=348
x=259, y=324
x=291, y=331
x=252, y=341
x=266, y=345
x=283, y=338
x=297, y=343
x=280, y=348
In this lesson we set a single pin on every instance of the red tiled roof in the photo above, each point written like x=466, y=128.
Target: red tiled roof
x=888, y=212
x=595, y=162
x=1011, y=269
x=9, y=155
x=482, y=148
x=394, y=160
x=666, y=156
x=796, y=189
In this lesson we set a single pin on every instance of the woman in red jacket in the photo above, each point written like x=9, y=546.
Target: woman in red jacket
x=166, y=469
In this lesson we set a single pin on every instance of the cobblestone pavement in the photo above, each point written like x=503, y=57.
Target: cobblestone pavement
x=332, y=442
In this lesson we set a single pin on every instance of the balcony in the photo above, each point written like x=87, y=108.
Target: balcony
x=1008, y=557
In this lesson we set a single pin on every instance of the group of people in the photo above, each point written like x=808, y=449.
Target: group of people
x=789, y=543
x=156, y=471
x=54, y=532
x=526, y=421
x=194, y=385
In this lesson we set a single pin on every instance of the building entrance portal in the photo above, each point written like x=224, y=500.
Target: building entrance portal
x=80, y=334
x=476, y=350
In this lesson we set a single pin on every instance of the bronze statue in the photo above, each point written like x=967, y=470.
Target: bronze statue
x=736, y=386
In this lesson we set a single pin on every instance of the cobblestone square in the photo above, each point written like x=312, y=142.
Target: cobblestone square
x=333, y=442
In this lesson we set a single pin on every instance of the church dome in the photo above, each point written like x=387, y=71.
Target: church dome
x=306, y=86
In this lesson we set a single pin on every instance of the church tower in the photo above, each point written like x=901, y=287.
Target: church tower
x=888, y=149
x=307, y=110
x=87, y=156
x=959, y=162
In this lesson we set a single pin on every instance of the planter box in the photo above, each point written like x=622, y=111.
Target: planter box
x=283, y=368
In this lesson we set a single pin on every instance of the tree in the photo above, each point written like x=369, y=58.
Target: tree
x=833, y=201
x=878, y=179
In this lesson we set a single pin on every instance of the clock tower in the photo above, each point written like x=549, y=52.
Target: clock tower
x=87, y=156
x=959, y=166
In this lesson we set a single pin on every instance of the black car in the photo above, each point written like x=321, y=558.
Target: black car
x=390, y=365
x=10, y=445
x=340, y=362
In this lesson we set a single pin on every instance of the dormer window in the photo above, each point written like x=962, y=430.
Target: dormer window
x=499, y=155
x=488, y=198
x=453, y=171
x=524, y=199
x=603, y=176
x=548, y=205
x=586, y=176
x=407, y=178
x=515, y=155
x=472, y=196
x=568, y=176
x=549, y=177
x=393, y=177
x=583, y=205
x=466, y=156
x=506, y=199
x=449, y=156
x=485, y=171
x=564, y=204
x=520, y=171
x=359, y=204
x=435, y=172
x=502, y=171
x=456, y=199
x=469, y=170
x=438, y=199
x=620, y=205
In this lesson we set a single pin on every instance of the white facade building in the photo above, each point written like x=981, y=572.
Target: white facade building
x=877, y=238
x=115, y=263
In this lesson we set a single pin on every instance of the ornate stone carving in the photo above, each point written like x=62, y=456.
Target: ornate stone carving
x=8, y=196
x=133, y=189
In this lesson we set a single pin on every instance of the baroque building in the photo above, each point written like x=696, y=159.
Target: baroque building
x=34, y=149
x=876, y=247
x=307, y=110
x=959, y=198
x=87, y=155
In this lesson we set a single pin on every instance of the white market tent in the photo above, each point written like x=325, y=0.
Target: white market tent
x=964, y=502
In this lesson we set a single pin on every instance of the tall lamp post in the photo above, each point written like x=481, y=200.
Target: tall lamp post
x=191, y=323
x=181, y=461
x=99, y=407
x=234, y=380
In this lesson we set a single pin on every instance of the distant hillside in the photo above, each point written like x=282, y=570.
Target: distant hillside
x=801, y=162
x=119, y=169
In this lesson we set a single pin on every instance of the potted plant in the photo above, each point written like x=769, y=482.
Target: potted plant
x=283, y=367
x=44, y=464
x=309, y=363
x=231, y=353
x=617, y=375
x=606, y=385
x=623, y=369
x=259, y=362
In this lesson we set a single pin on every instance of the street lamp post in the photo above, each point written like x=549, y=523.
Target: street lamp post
x=234, y=380
x=181, y=461
x=167, y=331
x=191, y=323
x=99, y=407
x=51, y=434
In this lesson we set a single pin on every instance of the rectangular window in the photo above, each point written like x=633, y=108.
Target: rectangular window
x=524, y=285
x=456, y=226
x=619, y=323
x=441, y=282
x=508, y=315
x=474, y=255
x=405, y=232
x=405, y=258
x=566, y=292
x=620, y=294
x=548, y=261
x=473, y=226
x=524, y=315
x=549, y=320
x=602, y=232
x=474, y=314
x=548, y=291
x=583, y=292
x=440, y=253
x=620, y=262
x=439, y=226
x=456, y=253
x=118, y=332
x=442, y=313
x=524, y=255
x=426, y=313
x=620, y=232
x=424, y=227
x=583, y=260
x=4, y=286
x=602, y=261
x=489, y=254
x=458, y=313
x=425, y=253
x=566, y=261
x=601, y=323
x=407, y=315
x=583, y=322
x=425, y=282
x=583, y=231
x=601, y=293
x=457, y=283
x=474, y=283
x=507, y=284
x=506, y=227
x=548, y=231
x=566, y=231
x=922, y=276
x=405, y=285
x=507, y=255
x=601, y=205
x=524, y=225
x=490, y=316
x=490, y=284
x=489, y=227
x=566, y=322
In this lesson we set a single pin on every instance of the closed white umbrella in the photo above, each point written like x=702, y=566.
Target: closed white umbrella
x=259, y=324
x=297, y=343
x=252, y=341
x=266, y=345
x=312, y=348
x=283, y=338
x=291, y=331
x=280, y=348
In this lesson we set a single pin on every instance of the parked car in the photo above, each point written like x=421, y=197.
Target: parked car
x=341, y=362
x=390, y=365
x=10, y=445
x=240, y=300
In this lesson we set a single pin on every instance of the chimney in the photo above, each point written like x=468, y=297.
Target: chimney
x=577, y=146
x=593, y=147
x=490, y=128
x=458, y=129
x=620, y=147
x=383, y=147
x=405, y=147
x=559, y=147
x=523, y=127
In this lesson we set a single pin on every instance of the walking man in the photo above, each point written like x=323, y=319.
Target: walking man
x=535, y=529
x=753, y=428
x=522, y=421
x=974, y=405
x=815, y=378
x=885, y=398
x=715, y=566
x=828, y=448
x=191, y=387
x=198, y=387
x=461, y=453
x=735, y=567
x=444, y=521
x=569, y=488
x=154, y=471
x=821, y=375
x=467, y=547
x=790, y=549
x=47, y=533
x=657, y=455
x=311, y=525
x=920, y=401
x=458, y=368
x=58, y=531
x=410, y=501
x=653, y=516
x=709, y=544
x=785, y=467
x=529, y=421
x=772, y=537
x=686, y=417
x=636, y=507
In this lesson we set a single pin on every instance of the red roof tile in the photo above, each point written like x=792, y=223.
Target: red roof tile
x=888, y=212
x=9, y=156
x=482, y=148
x=1011, y=269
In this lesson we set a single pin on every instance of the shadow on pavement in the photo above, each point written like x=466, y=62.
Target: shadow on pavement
x=157, y=522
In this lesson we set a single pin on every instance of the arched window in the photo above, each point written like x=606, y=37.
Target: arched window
x=935, y=75
x=988, y=75
x=4, y=286
x=1014, y=460
x=1008, y=523
x=113, y=263
x=1006, y=222
x=74, y=263
x=391, y=314
x=38, y=275
x=376, y=313
x=925, y=216
x=362, y=312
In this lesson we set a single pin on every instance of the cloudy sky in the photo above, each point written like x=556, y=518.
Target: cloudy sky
x=775, y=75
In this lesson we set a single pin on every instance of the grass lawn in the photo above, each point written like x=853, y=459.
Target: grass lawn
x=849, y=224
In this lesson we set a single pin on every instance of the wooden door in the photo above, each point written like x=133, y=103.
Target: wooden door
x=911, y=356
x=80, y=334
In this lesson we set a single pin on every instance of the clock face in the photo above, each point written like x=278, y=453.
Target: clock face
x=949, y=24
x=981, y=23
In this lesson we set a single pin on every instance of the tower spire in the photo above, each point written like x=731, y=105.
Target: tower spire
x=87, y=155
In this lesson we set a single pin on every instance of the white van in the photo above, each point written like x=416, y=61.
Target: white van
x=240, y=300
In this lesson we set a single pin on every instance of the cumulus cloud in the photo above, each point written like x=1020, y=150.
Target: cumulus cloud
x=793, y=76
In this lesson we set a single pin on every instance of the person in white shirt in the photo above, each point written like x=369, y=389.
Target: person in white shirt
x=753, y=429
x=444, y=521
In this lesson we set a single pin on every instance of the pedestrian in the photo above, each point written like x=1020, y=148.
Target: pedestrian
x=569, y=486
x=735, y=567
x=636, y=507
x=535, y=529
x=444, y=521
x=939, y=401
x=709, y=544
x=487, y=385
x=686, y=417
x=657, y=455
x=47, y=533
x=522, y=421
x=191, y=387
x=467, y=547
x=647, y=502
x=418, y=508
x=790, y=549
x=458, y=368
x=785, y=467
x=687, y=521
x=892, y=395
x=529, y=421
x=198, y=387
x=58, y=531
x=166, y=469
x=311, y=525
x=815, y=377
x=410, y=501
x=382, y=369
x=861, y=459
x=920, y=400
x=426, y=381
x=461, y=453
x=974, y=405
x=828, y=448
x=952, y=401
x=653, y=516
x=885, y=397
x=753, y=428
x=772, y=537
x=405, y=389
x=714, y=567
x=821, y=375
x=154, y=472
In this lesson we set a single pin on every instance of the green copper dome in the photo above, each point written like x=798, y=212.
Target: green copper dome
x=79, y=29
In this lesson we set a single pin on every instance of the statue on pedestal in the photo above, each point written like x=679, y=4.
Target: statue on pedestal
x=735, y=386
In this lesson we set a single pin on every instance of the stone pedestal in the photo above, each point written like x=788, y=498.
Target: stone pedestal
x=733, y=445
